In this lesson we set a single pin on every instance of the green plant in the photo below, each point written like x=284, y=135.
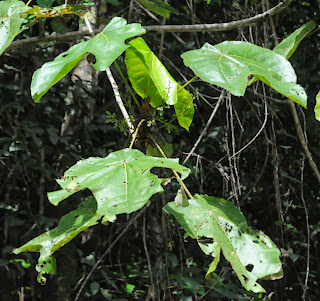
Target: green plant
x=216, y=224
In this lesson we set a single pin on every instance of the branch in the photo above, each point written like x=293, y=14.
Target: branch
x=303, y=141
x=161, y=28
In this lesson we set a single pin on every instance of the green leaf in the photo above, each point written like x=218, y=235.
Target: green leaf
x=214, y=221
x=94, y=287
x=154, y=152
x=159, y=7
x=113, y=2
x=69, y=226
x=150, y=78
x=45, y=3
x=289, y=45
x=106, y=293
x=120, y=182
x=229, y=64
x=106, y=46
x=11, y=23
x=317, y=107
x=130, y=288
x=23, y=263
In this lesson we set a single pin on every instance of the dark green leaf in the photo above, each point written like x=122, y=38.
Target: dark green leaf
x=159, y=7
x=45, y=3
x=94, y=287
x=229, y=64
x=150, y=78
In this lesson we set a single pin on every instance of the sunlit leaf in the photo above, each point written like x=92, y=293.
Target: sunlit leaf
x=120, y=182
x=69, y=226
x=11, y=23
x=159, y=7
x=150, y=78
x=229, y=64
x=317, y=107
x=106, y=46
x=289, y=45
x=213, y=221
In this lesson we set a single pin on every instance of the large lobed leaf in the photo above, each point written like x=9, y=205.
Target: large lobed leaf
x=217, y=223
x=229, y=64
x=106, y=46
x=11, y=23
x=150, y=78
x=121, y=183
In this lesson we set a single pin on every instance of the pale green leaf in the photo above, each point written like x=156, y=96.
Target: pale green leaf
x=212, y=249
x=229, y=64
x=106, y=46
x=289, y=45
x=94, y=287
x=213, y=221
x=150, y=79
x=317, y=107
x=120, y=182
x=69, y=226
x=11, y=23
x=159, y=7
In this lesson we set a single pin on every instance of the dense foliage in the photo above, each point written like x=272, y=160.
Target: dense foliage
x=249, y=154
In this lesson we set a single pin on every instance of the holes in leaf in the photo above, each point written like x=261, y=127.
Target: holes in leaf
x=249, y=267
x=206, y=240
x=245, y=279
x=91, y=58
x=65, y=55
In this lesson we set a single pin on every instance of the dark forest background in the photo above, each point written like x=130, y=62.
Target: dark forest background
x=272, y=182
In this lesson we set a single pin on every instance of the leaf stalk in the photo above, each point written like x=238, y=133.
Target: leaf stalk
x=184, y=187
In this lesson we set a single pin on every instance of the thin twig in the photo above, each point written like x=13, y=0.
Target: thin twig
x=162, y=28
x=174, y=172
x=134, y=136
x=206, y=127
x=115, y=89
x=305, y=287
x=276, y=181
x=258, y=133
x=303, y=141
x=127, y=84
x=152, y=294
x=119, y=101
